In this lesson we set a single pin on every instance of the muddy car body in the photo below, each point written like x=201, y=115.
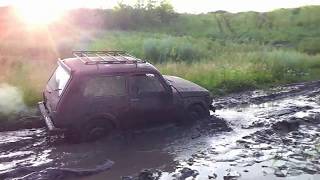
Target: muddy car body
x=96, y=92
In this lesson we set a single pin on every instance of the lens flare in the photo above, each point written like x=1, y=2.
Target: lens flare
x=38, y=12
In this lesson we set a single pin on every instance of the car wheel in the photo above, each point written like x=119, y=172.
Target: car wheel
x=96, y=129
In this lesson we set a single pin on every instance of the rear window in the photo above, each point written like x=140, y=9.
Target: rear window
x=59, y=80
x=105, y=86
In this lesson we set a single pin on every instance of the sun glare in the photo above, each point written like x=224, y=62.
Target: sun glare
x=38, y=13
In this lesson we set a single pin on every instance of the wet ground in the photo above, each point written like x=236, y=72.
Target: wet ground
x=271, y=134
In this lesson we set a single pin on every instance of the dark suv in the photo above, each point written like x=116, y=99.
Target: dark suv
x=99, y=91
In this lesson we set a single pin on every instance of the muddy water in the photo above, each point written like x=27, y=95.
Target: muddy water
x=265, y=135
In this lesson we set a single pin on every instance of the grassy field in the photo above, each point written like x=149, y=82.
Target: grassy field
x=221, y=51
x=220, y=67
x=227, y=52
x=250, y=70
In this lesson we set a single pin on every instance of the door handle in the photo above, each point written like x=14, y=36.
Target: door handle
x=134, y=99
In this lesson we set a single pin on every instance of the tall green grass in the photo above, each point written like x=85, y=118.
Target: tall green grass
x=222, y=66
x=244, y=71
x=228, y=52
x=155, y=47
x=223, y=52
x=161, y=48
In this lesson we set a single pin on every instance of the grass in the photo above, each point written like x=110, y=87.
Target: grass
x=220, y=66
x=247, y=70
x=162, y=47
x=223, y=52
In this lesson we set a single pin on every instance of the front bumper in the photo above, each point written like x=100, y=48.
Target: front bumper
x=50, y=125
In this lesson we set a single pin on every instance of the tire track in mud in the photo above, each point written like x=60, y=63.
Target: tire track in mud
x=258, y=134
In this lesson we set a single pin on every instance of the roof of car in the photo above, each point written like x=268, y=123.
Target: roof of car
x=104, y=67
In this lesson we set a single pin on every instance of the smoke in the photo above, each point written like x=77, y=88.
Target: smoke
x=11, y=100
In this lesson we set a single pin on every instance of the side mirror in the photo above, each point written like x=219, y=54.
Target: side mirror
x=171, y=88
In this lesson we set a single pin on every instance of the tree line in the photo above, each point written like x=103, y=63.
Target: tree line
x=125, y=17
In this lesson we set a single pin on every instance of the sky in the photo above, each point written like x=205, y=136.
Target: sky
x=189, y=6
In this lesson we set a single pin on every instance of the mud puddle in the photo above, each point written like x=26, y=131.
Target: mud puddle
x=269, y=141
x=247, y=138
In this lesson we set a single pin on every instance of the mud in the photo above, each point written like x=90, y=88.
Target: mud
x=271, y=134
x=26, y=119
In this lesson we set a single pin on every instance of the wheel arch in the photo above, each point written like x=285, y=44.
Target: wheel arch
x=105, y=116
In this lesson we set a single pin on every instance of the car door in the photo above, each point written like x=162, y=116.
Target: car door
x=105, y=95
x=150, y=100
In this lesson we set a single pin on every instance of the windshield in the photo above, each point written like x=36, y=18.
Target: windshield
x=59, y=80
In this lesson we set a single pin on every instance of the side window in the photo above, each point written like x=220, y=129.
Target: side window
x=59, y=80
x=145, y=83
x=103, y=86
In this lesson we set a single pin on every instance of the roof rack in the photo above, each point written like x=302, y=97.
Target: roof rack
x=106, y=57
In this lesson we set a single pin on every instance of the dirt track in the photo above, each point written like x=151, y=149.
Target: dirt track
x=259, y=134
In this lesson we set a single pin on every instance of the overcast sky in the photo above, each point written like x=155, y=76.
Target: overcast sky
x=190, y=6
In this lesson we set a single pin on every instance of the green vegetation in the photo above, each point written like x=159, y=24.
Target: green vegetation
x=227, y=52
x=221, y=67
x=221, y=51
x=245, y=71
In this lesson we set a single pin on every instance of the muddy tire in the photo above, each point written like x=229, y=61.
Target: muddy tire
x=90, y=131
x=96, y=129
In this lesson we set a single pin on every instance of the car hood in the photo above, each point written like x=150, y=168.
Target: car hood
x=186, y=88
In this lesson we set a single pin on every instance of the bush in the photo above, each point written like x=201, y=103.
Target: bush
x=187, y=52
x=151, y=50
x=310, y=45
x=157, y=48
